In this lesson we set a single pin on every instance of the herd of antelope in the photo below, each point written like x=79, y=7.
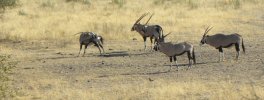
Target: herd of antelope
x=172, y=50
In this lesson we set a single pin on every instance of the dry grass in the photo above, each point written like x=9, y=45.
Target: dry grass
x=58, y=20
x=156, y=90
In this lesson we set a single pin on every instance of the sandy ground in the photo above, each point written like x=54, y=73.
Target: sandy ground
x=45, y=71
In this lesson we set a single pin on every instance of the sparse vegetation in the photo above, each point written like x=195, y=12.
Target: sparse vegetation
x=120, y=3
x=6, y=67
x=81, y=1
x=22, y=13
x=70, y=18
x=193, y=4
x=47, y=4
x=40, y=33
x=7, y=3
x=227, y=4
x=159, y=2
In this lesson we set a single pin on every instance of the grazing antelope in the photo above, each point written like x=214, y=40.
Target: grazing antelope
x=173, y=50
x=220, y=41
x=152, y=31
x=89, y=37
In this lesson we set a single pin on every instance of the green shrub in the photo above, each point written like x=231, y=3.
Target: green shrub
x=120, y=3
x=6, y=67
x=158, y=2
x=193, y=4
x=22, y=13
x=81, y=1
x=48, y=4
x=235, y=4
x=7, y=3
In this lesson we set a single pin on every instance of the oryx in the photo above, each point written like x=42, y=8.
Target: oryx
x=90, y=37
x=220, y=41
x=172, y=50
x=152, y=31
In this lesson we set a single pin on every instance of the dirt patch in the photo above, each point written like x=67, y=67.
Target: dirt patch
x=52, y=70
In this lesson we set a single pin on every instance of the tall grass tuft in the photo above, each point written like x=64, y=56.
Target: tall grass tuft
x=193, y=4
x=48, y=4
x=158, y=2
x=235, y=4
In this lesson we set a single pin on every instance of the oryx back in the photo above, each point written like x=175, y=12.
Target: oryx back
x=170, y=49
x=222, y=40
x=86, y=37
x=153, y=30
x=175, y=49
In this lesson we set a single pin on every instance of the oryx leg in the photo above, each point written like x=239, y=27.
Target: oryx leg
x=237, y=50
x=102, y=47
x=176, y=63
x=85, y=47
x=155, y=41
x=97, y=45
x=189, y=58
x=151, y=41
x=221, y=53
x=170, y=62
x=145, y=45
x=80, y=49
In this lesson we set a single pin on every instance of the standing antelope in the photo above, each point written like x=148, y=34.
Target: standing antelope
x=152, y=31
x=89, y=37
x=173, y=50
x=220, y=41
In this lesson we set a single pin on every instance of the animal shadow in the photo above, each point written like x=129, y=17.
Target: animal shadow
x=116, y=54
x=200, y=63
x=123, y=54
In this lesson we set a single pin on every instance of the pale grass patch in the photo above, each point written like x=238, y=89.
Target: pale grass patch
x=158, y=90
x=206, y=90
x=16, y=54
x=62, y=20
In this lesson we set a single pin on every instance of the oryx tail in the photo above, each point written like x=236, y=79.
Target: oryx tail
x=194, y=60
x=160, y=30
x=243, y=46
x=78, y=33
x=101, y=39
